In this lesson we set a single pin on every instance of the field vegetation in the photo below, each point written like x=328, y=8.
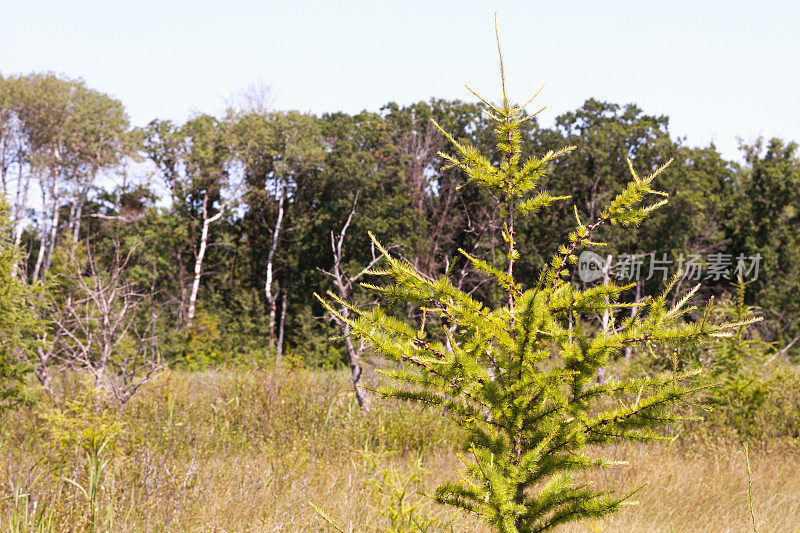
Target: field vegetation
x=251, y=449
x=198, y=345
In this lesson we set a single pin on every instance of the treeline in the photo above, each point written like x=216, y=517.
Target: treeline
x=215, y=253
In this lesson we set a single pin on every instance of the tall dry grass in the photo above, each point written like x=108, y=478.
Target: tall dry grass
x=250, y=450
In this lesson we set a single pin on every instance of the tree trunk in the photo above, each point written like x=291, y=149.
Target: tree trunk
x=355, y=361
x=607, y=312
x=634, y=310
x=77, y=206
x=40, y=371
x=43, y=237
x=279, y=346
x=3, y=166
x=180, y=272
x=19, y=214
x=268, y=289
x=73, y=210
x=344, y=284
x=20, y=207
x=45, y=248
x=76, y=225
x=51, y=245
x=105, y=352
x=601, y=372
x=198, y=263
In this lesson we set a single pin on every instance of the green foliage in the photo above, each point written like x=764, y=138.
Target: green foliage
x=262, y=443
x=23, y=516
x=396, y=495
x=764, y=218
x=96, y=465
x=520, y=377
x=313, y=343
x=80, y=421
x=198, y=347
x=17, y=322
x=70, y=126
x=743, y=348
x=742, y=372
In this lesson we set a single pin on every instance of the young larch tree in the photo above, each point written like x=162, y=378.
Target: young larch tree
x=520, y=378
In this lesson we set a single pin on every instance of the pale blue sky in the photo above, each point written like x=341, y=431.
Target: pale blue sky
x=719, y=69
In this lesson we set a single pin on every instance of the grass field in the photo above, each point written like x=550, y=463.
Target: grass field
x=251, y=450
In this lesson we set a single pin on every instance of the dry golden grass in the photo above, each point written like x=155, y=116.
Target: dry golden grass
x=250, y=450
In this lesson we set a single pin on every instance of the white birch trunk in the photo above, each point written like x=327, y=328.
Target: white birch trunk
x=198, y=263
x=43, y=235
x=634, y=310
x=51, y=245
x=20, y=208
x=607, y=312
x=601, y=371
x=279, y=346
x=76, y=211
x=76, y=226
x=269, y=292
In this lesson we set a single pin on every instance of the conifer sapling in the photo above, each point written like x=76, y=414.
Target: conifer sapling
x=518, y=378
x=17, y=321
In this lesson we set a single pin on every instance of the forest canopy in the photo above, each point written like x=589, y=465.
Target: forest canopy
x=213, y=235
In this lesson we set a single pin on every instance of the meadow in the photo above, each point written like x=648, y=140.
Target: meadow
x=251, y=449
x=169, y=341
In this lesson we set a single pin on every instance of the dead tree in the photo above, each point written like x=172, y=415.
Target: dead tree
x=344, y=286
x=92, y=320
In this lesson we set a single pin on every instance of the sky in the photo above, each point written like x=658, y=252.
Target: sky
x=721, y=70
